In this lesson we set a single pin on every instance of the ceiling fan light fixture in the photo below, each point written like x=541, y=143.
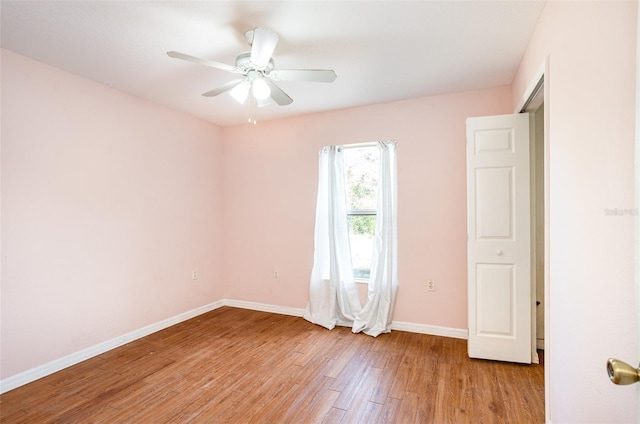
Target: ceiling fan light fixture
x=240, y=92
x=260, y=89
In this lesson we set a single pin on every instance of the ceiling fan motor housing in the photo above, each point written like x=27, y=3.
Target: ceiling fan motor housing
x=244, y=64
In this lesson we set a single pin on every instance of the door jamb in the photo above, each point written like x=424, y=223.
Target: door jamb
x=637, y=193
x=530, y=93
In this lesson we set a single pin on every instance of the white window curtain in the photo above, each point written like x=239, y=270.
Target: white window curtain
x=333, y=296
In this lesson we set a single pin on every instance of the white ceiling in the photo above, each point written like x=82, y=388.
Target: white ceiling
x=382, y=51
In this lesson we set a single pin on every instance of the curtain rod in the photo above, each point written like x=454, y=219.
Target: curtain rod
x=357, y=145
x=366, y=144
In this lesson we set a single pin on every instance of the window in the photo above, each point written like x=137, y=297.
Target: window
x=361, y=165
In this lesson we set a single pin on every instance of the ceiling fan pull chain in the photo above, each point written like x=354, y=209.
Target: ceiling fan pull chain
x=252, y=110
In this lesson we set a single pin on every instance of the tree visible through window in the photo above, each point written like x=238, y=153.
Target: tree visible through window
x=361, y=178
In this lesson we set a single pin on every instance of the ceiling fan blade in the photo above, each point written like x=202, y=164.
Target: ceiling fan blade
x=277, y=94
x=205, y=62
x=311, y=75
x=224, y=87
x=262, y=46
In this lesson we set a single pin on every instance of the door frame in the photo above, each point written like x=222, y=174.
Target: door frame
x=542, y=75
x=637, y=194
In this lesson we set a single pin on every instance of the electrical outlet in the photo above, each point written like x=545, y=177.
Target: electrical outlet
x=194, y=274
x=275, y=273
x=431, y=285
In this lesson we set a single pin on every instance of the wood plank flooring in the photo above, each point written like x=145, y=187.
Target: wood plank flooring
x=240, y=366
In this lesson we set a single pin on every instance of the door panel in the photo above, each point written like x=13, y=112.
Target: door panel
x=499, y=229
x=494, y=206
x=495, y=287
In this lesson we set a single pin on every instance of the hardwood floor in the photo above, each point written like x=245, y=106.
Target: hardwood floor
x=239, y=366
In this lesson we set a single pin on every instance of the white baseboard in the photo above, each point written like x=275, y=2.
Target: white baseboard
x=432, y=330
x=264, y=307
x=33, y=374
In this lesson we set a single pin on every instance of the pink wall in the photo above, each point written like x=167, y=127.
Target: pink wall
x=591, y=81
x=108, y=203
x=270, y=175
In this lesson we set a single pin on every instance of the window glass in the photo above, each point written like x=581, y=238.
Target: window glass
x=361, y=179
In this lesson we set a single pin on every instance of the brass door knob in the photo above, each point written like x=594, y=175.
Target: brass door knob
x=622, y=373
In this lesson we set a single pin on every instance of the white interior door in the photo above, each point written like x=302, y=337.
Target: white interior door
x=499, y=238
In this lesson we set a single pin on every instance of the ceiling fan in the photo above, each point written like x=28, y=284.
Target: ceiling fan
x=258, y=73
